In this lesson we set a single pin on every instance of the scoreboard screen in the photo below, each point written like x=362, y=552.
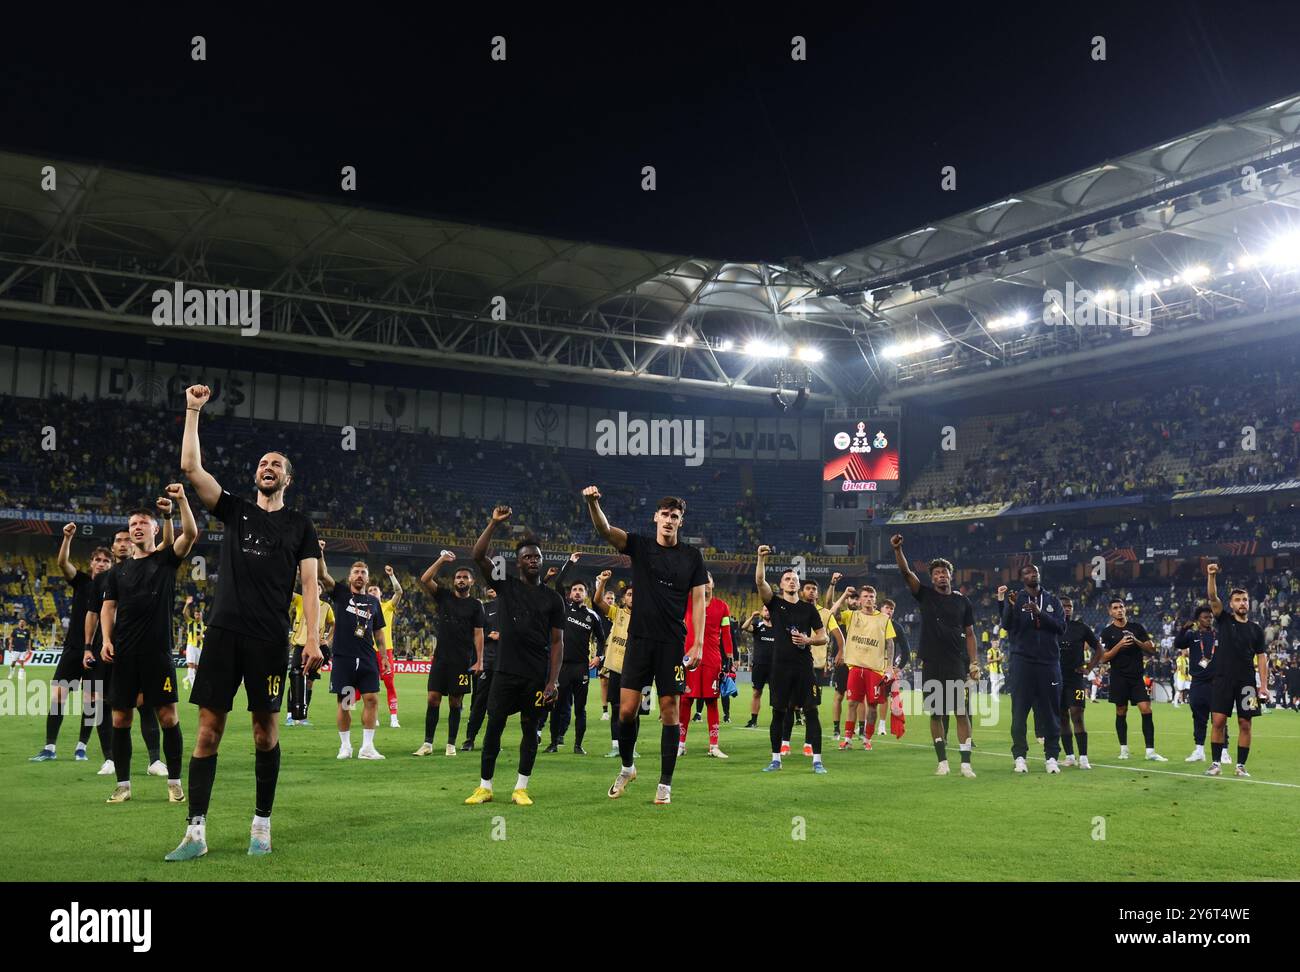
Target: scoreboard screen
x=860, y=455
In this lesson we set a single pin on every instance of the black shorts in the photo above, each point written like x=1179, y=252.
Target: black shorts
x=657, y=662
x=944, y=693
x=511, y=693
x=791, y=686
x=147, y=673
x=573, y=675
x=840, y=679
x=70, y=667
x=761, y=675
x=1074, y=692
x=230, y=658
x=1124, y=690
x=450, y=679
x=354, y=675
x=1227, y=692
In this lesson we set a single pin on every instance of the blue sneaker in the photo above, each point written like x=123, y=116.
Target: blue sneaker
x=772, y=767
x=44, y=756
x=259, y=843
x=193, y=846
x=818, y=767
x=80, y=756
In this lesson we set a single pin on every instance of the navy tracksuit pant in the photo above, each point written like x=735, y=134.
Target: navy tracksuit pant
x=1036, y=686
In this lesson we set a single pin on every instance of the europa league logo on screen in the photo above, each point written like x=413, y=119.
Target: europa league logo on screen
x=546, y=419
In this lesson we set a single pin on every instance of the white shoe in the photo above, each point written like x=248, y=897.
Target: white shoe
x=663, y=794
x=1021, y=766
x=451, y=750
x=604, y=716
x=681, y=749
x=1040, y=739
x=108, y=769
x=393, y=723
x=369, y=752
x=1213, y=770
x=1123, y=752
x=1053, y=767
x=942, y=769
x=625, y=776
x=157, y=768
x=1155, y=757
x=426, y=749
x=345, y=752
x=1198, y=755
x=717, y=753
x=1068, y=761
x=967, y=772
x=1083, y=763
x=1241, y=771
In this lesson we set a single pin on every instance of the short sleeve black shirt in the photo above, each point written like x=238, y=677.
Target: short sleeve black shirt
x=526, y=614
x=457, y=619
x=1239, y=643
x=786, y=617
x=662, y=578
x=1130, y=661
x=260, y=554
x=944, y=620
x=145, y=591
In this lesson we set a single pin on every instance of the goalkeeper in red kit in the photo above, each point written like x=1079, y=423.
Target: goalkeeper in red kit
x=703, y=682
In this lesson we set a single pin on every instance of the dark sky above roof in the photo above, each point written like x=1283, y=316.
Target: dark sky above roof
x=757, y=156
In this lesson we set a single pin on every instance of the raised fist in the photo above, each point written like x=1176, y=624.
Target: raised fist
x=573, y=558
x=164, y=505
x=604, y=575
x=764, y=550
x=835, y=578
x=321, y=544
x=1002, y=591
x=196, y=396
x=448, y=555
x=388, y=569
x=501, y=513
x=591, y=494
x=1211, y=569
x=896, y=541
x=69, y=529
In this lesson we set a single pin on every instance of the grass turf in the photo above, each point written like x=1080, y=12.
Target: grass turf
x=882, y=813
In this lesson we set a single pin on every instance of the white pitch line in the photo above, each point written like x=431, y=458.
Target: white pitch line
x=1137, y=769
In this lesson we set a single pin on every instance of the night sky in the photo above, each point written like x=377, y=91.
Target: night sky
x=757, y=156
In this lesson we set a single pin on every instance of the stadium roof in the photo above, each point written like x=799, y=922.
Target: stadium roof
x=361, y=282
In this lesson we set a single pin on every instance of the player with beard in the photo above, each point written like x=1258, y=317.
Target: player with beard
x=265, y=546
x=136, y=613
x=390, y=615
x=1077, y=638
x=798, y=628
x=842, y=608
x=529, y=654
x=609, y=601
x=868, y=655
x=359, y=656
x=702, y=683
x=483, y=683
x=1124, y=643
x=1241, y=658
x=149, y=731
x=821, y=655
x=581, y=626
x=670, y=575
x=77, y=663
x=1034, y=627
x=458, y=659
x=947, y=620
x=1197, y=639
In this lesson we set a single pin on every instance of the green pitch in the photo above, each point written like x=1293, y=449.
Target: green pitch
x=881, y=815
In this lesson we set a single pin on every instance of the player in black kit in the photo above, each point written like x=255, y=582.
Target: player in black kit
x=1240, y=655
x=528, y=657
x=77, y=664
x=667, y=575
x=1075, y=664
x=581, y=626
x=265, y=546
x=458, y=659
x=483, y=681
x=139, y=598
x=1123, y=644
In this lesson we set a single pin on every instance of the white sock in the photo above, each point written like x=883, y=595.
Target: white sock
x=522, y=782
x=49, y=748
x=964, y=747
x=1150, y=750
x=345, y=738
x=170, y=782
x=486, y=784
x=776, y=757
x=785, y=742
x=261, y=823
x=81, y=747
x=817, y=758
x=367, y=738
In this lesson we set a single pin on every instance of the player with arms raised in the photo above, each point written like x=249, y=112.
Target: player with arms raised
x=1240, y=649
x=668, y=575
